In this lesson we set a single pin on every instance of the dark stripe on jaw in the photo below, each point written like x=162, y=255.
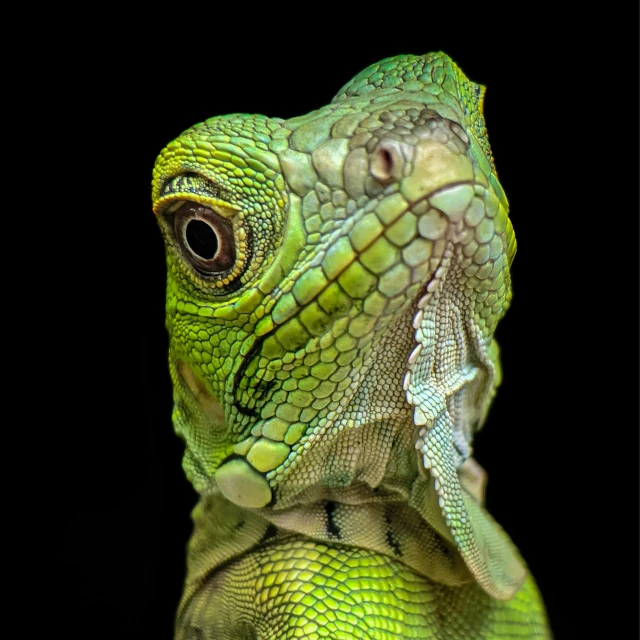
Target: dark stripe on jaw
x=261, y=391
x=246, y=361
x=271, y=532
x=246, y=411
x=392, y=541
x=457, y=448
x=333, y=530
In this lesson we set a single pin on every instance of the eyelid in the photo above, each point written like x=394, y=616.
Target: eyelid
x=171, y=203
x=172, y=208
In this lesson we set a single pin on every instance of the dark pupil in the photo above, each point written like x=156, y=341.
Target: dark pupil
x=202, y=239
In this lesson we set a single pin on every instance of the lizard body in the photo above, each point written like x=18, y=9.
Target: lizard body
x=334, y=284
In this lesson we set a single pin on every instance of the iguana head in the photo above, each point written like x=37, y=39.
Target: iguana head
x=332, y=272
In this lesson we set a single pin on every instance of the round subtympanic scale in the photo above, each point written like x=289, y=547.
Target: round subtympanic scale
x=241, y=484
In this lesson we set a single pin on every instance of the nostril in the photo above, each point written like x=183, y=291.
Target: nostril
x=385, y=163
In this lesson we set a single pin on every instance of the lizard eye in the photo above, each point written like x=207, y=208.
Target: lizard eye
x=205, y=237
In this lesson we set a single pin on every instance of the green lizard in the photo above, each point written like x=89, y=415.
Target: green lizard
x=334, y=283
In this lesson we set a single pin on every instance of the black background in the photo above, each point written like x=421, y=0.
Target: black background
x=554, y=445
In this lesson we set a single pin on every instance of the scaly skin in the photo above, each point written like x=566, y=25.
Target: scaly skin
x=334, y=284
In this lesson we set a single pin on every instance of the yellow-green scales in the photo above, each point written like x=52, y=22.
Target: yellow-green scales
x=334, y=284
